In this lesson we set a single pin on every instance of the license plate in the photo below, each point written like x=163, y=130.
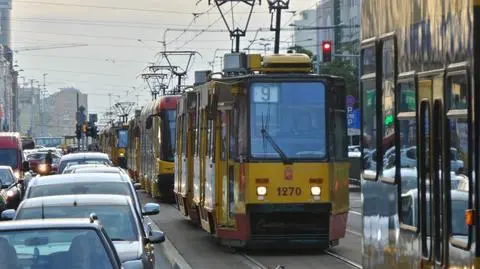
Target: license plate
x=289, y=191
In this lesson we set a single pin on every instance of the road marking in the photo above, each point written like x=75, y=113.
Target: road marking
x=354, y=233
x=170, y=251
x=252, y=263
x=355, y=212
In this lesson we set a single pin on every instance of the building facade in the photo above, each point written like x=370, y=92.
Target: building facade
x=29, y=110
x=306, y=39
x=61, y=109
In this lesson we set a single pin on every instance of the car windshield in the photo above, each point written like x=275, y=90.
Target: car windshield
x=290, y=115
x=82, y=161
x=118, y=220
x=52, y=249
x=120, y=188
x=6, y=177
x=9, y=157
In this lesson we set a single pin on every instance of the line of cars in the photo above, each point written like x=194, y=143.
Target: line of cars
x=86, y=216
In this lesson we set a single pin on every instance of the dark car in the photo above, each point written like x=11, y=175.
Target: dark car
x=131, y=240
x=11, y=189
x=91, y=183
x=52, y=244
x=83, y=158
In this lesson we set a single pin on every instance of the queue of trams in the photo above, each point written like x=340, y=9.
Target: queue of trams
x=420, y=65
x=255, y=155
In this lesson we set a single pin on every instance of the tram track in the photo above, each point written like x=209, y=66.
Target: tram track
x=343, y=259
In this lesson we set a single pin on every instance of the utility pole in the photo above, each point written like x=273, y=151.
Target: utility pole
x=31, y=109
x=277, y=5
x=78, y=118
x=337, y=31
x=43, y=106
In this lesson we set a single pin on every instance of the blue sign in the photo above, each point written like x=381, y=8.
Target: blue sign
x=353, y=119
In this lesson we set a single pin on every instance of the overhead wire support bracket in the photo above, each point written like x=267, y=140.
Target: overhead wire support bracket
x=160, y=85
x=235, y=32
x=277, y=5
x=178, y=70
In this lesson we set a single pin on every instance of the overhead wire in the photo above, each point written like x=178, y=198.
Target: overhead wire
x=207, y=28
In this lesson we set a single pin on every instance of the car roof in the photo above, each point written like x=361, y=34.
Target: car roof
x=99, y=169
x=5, y=167
x=81, y=177
x=84, y=165
x=85, y=155
x=48, y=224
x=75, y=200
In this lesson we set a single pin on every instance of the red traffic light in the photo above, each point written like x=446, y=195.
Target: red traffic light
x=327, y=45
x=327, y=51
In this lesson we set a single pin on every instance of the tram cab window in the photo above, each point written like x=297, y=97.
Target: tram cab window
x=460, y=143
x=293, y=114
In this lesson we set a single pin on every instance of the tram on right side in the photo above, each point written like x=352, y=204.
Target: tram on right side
x=420, y=64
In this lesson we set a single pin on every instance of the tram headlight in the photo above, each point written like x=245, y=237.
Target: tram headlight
x=261, y=190
x=315, y=191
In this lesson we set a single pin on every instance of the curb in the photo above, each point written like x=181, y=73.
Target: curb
x=170, y=251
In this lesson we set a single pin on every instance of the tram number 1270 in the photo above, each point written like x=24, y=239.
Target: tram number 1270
x=289, y=191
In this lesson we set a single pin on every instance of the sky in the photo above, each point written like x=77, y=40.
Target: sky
x=113, y=41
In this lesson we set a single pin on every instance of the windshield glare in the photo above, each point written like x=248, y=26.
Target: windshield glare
x=119, y=188
x=117, y=220
x=293, y=114
x=9, y=157
x=18, y=249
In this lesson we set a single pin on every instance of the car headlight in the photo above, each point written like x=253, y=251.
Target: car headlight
x=315, y=190
x=42, y=168
x=10, y=194
x=16, y=174
x=122, y=154
x=261, y=190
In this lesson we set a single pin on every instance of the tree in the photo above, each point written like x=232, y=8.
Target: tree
x=346, y=70
x=300, y=49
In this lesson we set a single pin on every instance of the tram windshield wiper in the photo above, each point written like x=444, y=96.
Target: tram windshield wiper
x=275, y=146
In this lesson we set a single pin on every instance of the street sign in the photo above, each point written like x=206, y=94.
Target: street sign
x=353, y=116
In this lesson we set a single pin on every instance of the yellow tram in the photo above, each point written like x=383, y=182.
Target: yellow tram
x=114, y=141
x=261, y=154
x=157, y=124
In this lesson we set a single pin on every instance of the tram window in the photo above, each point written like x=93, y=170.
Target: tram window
x=388, y=108
x=233, y=133
x=369, y=115
x=368, y=60
x=457, y=92
x=224, y=134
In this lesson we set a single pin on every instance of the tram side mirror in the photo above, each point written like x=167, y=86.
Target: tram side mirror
x=149, y=122
x=26, y=166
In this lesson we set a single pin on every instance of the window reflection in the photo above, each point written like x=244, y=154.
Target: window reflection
x=369, y=124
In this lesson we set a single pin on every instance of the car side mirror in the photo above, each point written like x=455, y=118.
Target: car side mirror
x=151, y=209
x=26, y=166
x=156, y=237
x=138, y=186
x=137, y=264
x=8, y=214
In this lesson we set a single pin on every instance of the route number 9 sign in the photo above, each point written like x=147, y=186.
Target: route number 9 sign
x=265, y=93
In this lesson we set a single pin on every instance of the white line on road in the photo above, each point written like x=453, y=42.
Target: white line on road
x=355, y=212
x=354, y=233
x=252, y=263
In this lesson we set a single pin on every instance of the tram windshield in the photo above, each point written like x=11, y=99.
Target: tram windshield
x=293, y=116
x=122, y=138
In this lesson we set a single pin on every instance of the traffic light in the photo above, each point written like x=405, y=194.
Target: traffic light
x=327, y=51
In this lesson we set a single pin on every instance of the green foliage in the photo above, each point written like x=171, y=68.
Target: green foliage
x=343, y=69
x=300, y=49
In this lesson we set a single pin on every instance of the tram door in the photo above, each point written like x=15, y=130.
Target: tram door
x=227, y=217
x=432, y=171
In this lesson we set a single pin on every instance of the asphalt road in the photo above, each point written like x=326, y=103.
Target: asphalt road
x=190, y=247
